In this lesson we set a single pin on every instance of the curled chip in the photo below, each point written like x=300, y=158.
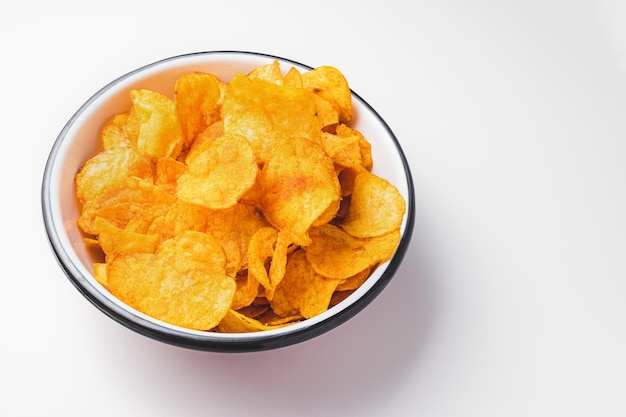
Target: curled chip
x=235, y=322
x=154, y=126
x=238, y=205
x=308, y=292
x=196, y=103
x=376, y=207
x=335, y=254
x=330, y=84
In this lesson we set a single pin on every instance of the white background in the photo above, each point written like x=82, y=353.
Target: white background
x=512, y=299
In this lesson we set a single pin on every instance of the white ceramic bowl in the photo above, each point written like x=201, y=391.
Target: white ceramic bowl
x=78, y=141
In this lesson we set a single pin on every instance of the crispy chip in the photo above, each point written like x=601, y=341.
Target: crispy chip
x=268, y=114
x=234, y=228
x=209, y=134
x=335, y=254
x=299, y=185
x=115, y=241
x=158, y=134
x=326, y=111
x=184, y=283
x=235, y=322
x=355, y=281
x=246, y=293
x=114, y=133
x=219, y=174
x=307, y=291
x=330, y=84
x=293, y=78
x=344, y=151
x=376, y=207
x=267, y=246
x=100, y=273
x=179, y=218
x=270, y=73
x=133, y=200
x=168, y=171
x=196, y=104
x=108, y=170
x=364, y=146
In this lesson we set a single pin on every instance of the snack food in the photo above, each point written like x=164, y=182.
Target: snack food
x=228, y=207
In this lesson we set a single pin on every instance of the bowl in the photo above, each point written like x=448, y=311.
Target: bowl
x=78, y=141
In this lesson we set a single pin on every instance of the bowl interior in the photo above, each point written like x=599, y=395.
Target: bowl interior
x=79, y=140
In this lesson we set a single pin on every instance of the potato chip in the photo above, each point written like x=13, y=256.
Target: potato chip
x=346, y=178
x=354, y=282
x=254, y=310
x=260, y=250
x=293, y=78
x=246, y=293
x=330, y=84
x=134, y=200
x=234, y=228
x=209, y=134
x=281, y=305
x=115, y=241
x=376, y=207
x=179, y=218
x=184, y=283
x=365, y=147
x=168, y=170
x=335, y=254
x=114, y=133
x=100, y=273
x=159, y=134
x=108, y=170
x=344, y=151
x=196, y=103
x=327, y=113
x=235, y=322
x=298, y=185
x=267, y=257
x=219, y=174
x=306, y=290
x=269, y=72
x=268, y=114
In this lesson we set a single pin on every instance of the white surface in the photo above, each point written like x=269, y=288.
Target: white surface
x=511, y=301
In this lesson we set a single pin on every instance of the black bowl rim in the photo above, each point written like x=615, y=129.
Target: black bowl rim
x=203, y=341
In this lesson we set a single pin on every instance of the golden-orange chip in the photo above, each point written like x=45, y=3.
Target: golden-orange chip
x=268, y=114
x=299, y=184
x=269, y=72
x=246, y=293
x=108, y=170
x=115, y=241
x=184, y=283
x=307, y=291
x=114, y=132
x=376, y=207
x=235, y=322
x=158, y=134
x=196, y=103
x=219, y=174
x=335, y=254
x=330, y=84
x=365, y=147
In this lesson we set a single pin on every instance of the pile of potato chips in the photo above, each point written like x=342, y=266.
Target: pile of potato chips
x=237, y=206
